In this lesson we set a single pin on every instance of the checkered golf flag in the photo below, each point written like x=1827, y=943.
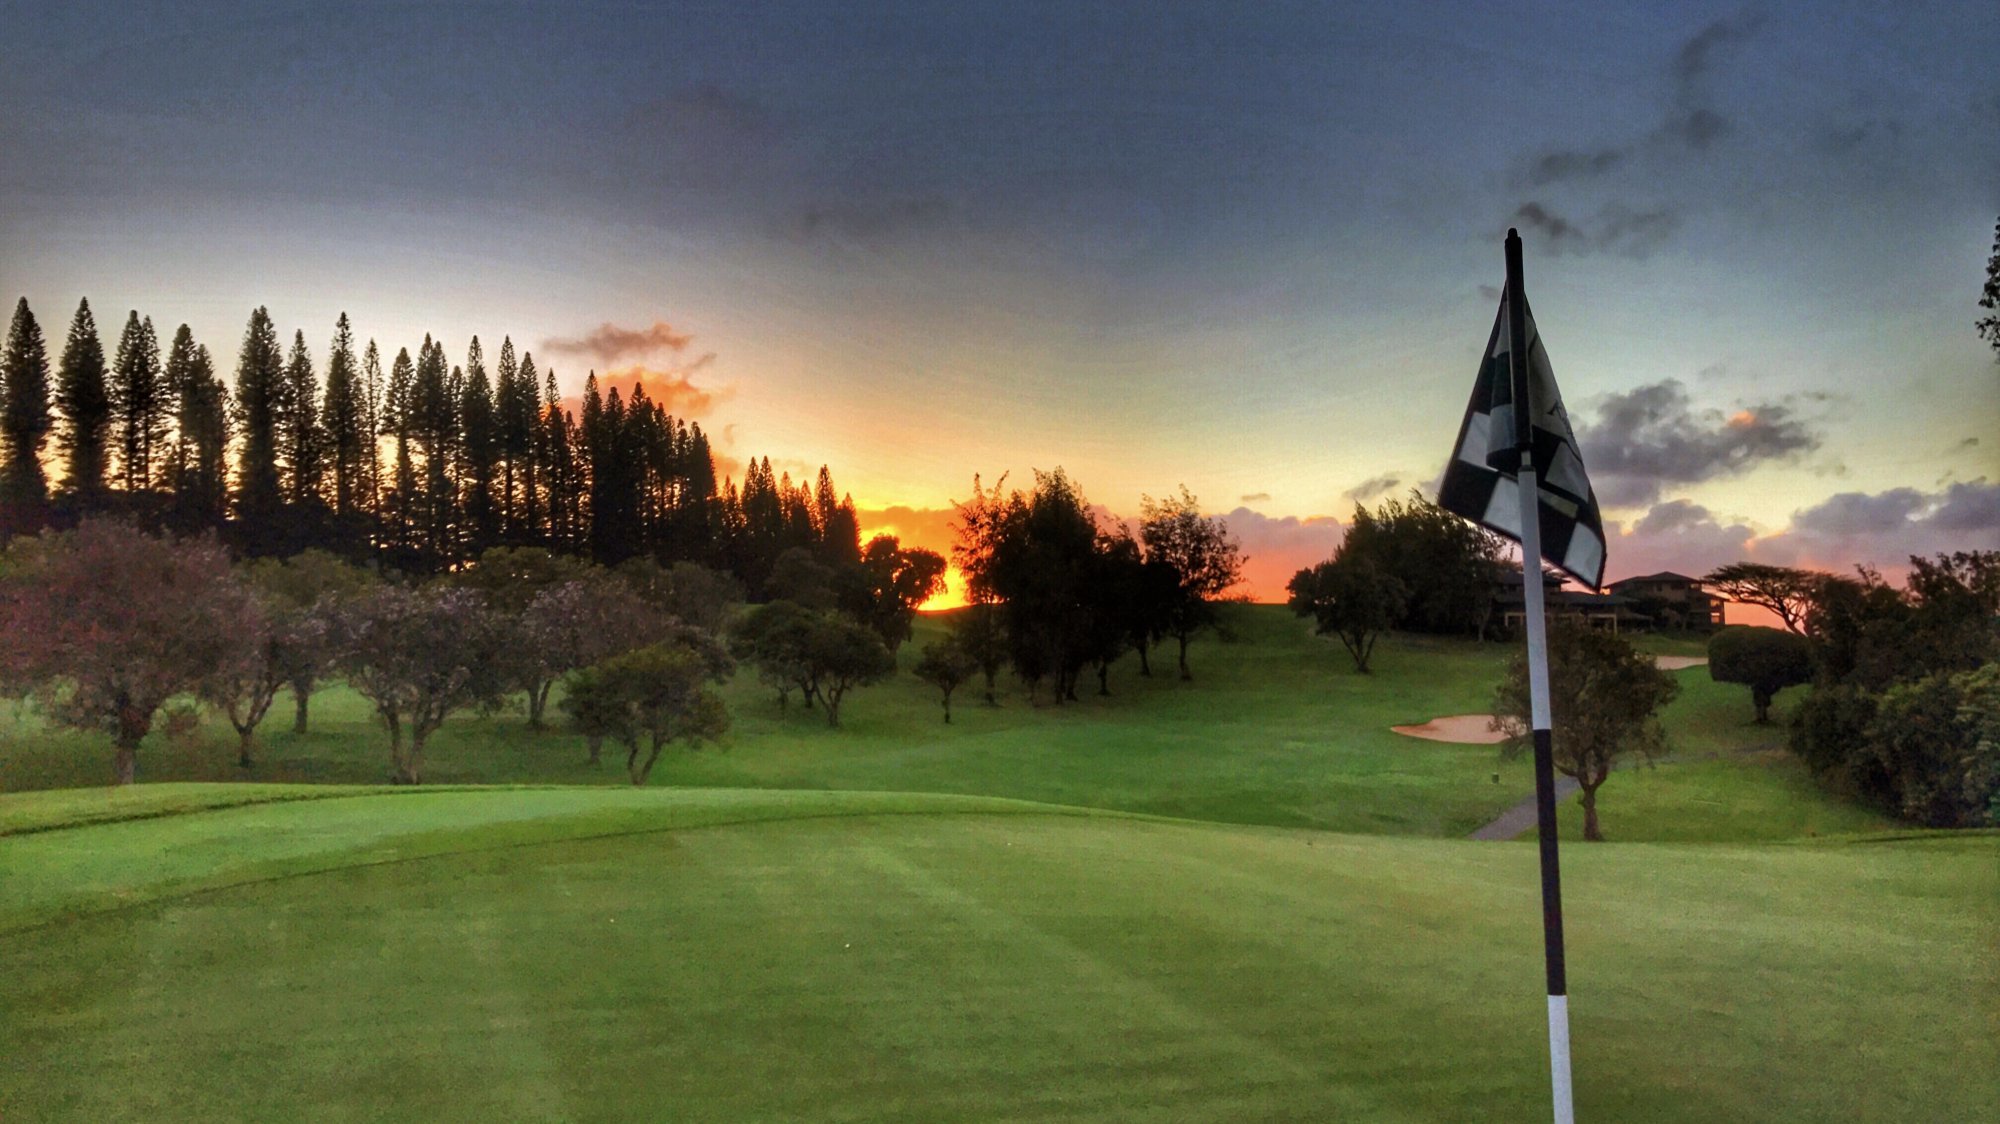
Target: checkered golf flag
x=1480, y=482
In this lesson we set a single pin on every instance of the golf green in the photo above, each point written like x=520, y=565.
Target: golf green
x=659, y=954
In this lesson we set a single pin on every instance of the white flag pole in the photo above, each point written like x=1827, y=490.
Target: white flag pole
x=1538, y=684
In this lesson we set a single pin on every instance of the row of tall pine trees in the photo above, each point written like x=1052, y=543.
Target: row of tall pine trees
x=419, y=465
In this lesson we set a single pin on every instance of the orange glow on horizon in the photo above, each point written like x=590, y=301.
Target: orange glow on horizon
x=954, y=580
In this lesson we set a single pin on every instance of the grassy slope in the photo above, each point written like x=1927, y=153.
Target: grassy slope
x=961, y=960
x=1728, y=779
x=1276, y=729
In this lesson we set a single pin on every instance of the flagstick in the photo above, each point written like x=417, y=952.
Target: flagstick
x=1538, y=686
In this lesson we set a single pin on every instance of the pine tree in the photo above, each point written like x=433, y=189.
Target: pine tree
x=536, y=452
x=84, y=397
x=399, y=502
x=140, y=404
x=562, y=470
x=514, y=400
x=25, y=422
x=433, y=424
x=179, y=377
x=300, y=439
x=479, y=452
x=345, y=418
x=201, y=492
x=260, y=409
x=372, y=413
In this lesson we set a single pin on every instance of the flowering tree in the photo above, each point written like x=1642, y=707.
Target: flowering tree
x=419, y=655
x=575, y=624
x=302, y=591
x=105, y=624
x=279, y=639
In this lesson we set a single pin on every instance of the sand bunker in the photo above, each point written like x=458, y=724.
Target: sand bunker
x=1467, y=728
x=1475, y=729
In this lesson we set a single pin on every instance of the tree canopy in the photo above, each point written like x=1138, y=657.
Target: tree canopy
x=105, y=624
x=1604, y=695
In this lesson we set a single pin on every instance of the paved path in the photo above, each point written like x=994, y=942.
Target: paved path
x=1521, y=817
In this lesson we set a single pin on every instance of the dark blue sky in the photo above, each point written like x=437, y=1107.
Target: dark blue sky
x=1240, y=246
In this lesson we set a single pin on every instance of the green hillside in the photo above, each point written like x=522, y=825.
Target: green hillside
x=1276, y=729
x=605, y=954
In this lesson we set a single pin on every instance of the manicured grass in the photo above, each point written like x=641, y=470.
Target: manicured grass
x=1275, y=729
x=598, y=954
x=1725, y=779
x=1768, y=795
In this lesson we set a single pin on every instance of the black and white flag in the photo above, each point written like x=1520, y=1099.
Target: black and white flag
x=1480, y=483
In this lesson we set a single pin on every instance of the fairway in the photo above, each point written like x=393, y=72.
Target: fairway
x=603, y=954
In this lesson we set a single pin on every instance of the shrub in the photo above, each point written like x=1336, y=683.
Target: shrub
x=1767, y=660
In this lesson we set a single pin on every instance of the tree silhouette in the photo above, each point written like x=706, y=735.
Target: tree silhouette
x=1989, y=298
x=1205, y=561
x=345, y=418
x=25, y=421
x=84, y=396
x=299, y=435
x=260, y=412
x=140, y=403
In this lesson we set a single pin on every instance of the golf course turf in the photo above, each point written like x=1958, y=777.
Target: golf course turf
x=1238, y=899
x=590, y=954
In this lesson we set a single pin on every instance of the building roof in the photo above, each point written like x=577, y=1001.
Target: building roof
x=1663, y=576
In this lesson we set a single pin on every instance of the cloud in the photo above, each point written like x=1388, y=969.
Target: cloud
x=927, y=527
x=1615, y=229
x=1883, y=529
x=1276, y=547
x=1255, y=497
x=1370, y=488
x=1693, y=61
x=608, y=343
x=1569, y=164
x=1972, y=506
x=1880, y=529
x=1859, y=513
x=671, y=390
x=1651, y=436
x=1678, y=535
x=1690, y=124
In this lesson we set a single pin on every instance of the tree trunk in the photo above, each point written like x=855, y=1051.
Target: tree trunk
x=132, y=729
x=1591, y=832
x=394, y=722
x=413, y=762
x=302, y=692
x=1762, y=699
x=947, y=708
x=1185, y=673
x=990, y=700
x=245, y=737
x=596, y=744
x=639, y=771
x=1145, y=665
x=832, y=702
x=1103, y=680
x=538, y=701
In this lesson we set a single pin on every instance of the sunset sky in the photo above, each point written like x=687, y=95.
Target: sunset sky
x=1253, y=249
